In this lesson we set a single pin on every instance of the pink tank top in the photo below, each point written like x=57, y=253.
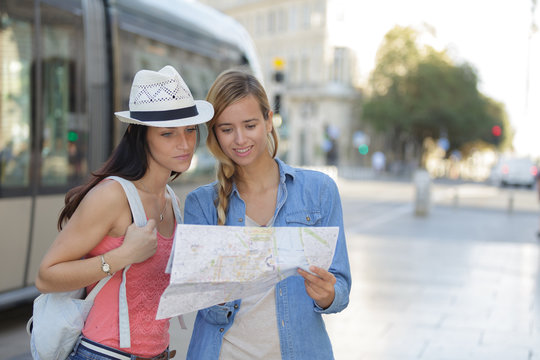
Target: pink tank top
x=145, y=283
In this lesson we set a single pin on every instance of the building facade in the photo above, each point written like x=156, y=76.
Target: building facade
x=309, y=75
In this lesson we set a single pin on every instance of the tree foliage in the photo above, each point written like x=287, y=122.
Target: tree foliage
x=418, y=92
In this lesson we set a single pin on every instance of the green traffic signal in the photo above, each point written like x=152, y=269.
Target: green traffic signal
x=363, y=149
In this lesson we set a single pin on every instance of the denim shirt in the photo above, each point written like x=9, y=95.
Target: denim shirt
x=305, y=198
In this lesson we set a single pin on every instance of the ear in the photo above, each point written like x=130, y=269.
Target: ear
x=270, y=122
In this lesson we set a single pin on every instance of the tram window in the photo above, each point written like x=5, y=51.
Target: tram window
x=15, y=93
x=65, y=127
x=140, y=52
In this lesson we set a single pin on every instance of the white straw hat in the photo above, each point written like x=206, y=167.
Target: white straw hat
x=162, y=99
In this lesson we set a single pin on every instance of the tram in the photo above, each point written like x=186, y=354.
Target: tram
x=65, y=67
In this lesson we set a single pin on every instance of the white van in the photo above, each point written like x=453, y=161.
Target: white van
x=514, y=171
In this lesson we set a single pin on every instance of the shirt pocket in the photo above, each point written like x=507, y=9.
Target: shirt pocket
x=304, y=218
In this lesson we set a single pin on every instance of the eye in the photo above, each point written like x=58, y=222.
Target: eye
x=166, y=133
x=226, y=130
x=191, y=129
x=251, y=126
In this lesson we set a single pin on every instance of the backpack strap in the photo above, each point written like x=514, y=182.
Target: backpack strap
x=176, y=206
x=135, y=203
x=139, y=218
x=92, y=294
x=178, y=216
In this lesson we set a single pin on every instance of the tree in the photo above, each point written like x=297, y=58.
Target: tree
x=417, y=92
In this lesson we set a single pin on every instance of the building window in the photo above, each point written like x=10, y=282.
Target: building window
x=304, y=70
x=259, y=25
x=291, y=71
x=281, y=21
x=271, y=22
x=338, y=66
x=306, y=17
x=293, y=19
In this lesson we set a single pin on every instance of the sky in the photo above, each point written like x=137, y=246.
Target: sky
x=491, y=35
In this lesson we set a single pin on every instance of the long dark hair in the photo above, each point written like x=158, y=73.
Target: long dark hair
x=129, y=160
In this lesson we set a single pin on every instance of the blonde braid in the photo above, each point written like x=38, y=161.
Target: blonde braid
x=224, y=175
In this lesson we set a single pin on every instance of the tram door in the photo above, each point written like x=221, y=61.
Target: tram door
x=43, y=127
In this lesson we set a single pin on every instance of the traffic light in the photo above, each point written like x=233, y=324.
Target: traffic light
x=279, y=76
x=73, y=136
x=277, y=103
x=363, y=149
x=496, y=132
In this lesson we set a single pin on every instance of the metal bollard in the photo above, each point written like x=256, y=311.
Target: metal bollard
x=510, y=201
x=422, y=183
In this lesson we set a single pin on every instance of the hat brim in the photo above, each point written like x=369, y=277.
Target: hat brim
x=204, y=108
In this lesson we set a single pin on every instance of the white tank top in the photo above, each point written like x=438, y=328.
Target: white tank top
x=254, y=333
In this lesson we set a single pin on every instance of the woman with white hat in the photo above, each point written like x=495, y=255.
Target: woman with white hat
x=97, y=236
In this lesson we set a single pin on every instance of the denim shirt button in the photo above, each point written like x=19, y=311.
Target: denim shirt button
x=308, y=218
x=221, y=330
x=240, y=219
x=236, y=306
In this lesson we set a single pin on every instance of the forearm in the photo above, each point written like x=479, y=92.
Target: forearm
x=69, y=275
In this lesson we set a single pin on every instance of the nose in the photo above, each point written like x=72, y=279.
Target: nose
x=240, y=137
x=182, y=142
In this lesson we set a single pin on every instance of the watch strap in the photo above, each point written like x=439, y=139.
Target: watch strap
x=105, y=267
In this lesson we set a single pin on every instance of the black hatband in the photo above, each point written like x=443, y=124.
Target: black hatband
x=165, y=114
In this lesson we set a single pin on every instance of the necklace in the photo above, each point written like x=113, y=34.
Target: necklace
x=161, y=215
x=163, y=211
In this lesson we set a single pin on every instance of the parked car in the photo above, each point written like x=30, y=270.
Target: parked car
x=514, y=172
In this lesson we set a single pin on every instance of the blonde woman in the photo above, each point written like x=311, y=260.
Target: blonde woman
x=98, y=237
x=254, y=188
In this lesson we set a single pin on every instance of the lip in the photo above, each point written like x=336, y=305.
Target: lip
x=246, y=152
x=183, y=157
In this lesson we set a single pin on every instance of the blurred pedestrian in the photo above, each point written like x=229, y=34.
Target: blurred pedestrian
x=378, y=162
x=97, y=237
x=256, y=189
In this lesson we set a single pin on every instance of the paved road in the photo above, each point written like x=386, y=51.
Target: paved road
x=461, y=283
x=458, y=284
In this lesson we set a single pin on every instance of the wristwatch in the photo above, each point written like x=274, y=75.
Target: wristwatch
x=106, y=268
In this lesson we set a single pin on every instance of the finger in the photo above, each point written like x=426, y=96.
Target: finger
x=312, y=292
x=151, y=224
x=306, y=275
x=321, y=289
x=323, y=274
x=320, y=286
x=309, y=276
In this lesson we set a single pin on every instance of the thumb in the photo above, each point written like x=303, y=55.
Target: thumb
x=150, y=225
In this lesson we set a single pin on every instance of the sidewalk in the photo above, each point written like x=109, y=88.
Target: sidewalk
x=459, y=284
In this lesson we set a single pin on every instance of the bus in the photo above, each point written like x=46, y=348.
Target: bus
x=65, y=67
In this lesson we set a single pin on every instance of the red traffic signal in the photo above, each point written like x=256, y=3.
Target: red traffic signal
x=496, y=130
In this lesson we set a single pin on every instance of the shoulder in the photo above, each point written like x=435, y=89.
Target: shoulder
x=104, y=208
x=313, y=178
x=108, y=191
x=204, y=191
x=204, y=196
x=199, y=206
x=107, y=196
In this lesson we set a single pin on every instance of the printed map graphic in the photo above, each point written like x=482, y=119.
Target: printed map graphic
x=216, y=264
